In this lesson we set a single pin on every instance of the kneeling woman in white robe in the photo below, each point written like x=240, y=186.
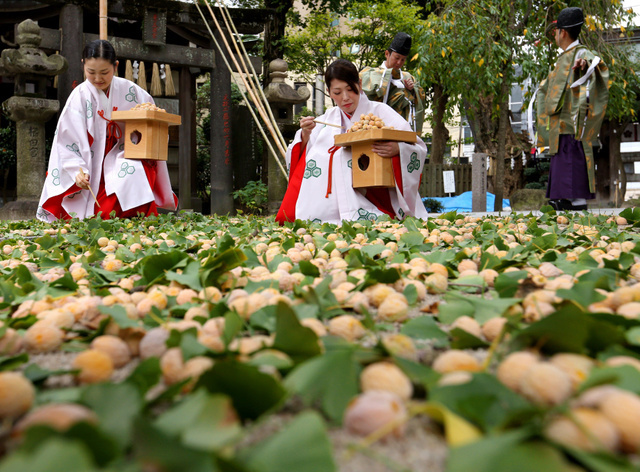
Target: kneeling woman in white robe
x=320, y=180
x=88, y=151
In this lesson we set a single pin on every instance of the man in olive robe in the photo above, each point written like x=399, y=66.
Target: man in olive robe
x=389, y=84
x=571, y=105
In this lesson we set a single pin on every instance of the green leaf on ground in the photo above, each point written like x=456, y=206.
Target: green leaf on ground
x=343, y=370
x=153, y=446
x=299, y=342
x=54, y=455
x=484, y=401
x=119, y=315
x=281, y=452
x=252, y=392
x=570, y=330
x=116, y=405
x=626, y=377
x=502, y=453
x=425, y=327
x=482, y=309
x=202, y=421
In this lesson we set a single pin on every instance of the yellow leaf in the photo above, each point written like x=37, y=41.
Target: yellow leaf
x=613, y=60
x=414, y=57
x=457, y=430
x=625, y=84
x=443, y=53
x=500, y=74
x=480, y=62
x=474, y=59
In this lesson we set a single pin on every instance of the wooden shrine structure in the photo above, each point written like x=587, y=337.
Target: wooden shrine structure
x=155, y=31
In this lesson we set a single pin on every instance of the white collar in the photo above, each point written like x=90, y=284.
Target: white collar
x=572, y=45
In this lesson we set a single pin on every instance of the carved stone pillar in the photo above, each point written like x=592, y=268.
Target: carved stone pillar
x=30, y=110
x=281, y=97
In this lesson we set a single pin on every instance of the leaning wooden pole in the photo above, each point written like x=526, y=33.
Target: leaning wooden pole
x=245, y=59
x=103, y=19
x=244, y=97
x=254, y=99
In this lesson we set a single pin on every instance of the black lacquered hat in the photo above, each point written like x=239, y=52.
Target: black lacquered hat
x=570, y=17
x=401, y=44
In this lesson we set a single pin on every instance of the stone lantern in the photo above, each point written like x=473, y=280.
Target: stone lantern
x=281, y=97
x=29, y=108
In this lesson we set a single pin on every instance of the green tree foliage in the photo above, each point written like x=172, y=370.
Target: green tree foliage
x=477, y=46
x=361, y=35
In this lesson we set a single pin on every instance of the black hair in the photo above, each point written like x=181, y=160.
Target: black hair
x=100, y=49
x=344, y=70
x=574, y=31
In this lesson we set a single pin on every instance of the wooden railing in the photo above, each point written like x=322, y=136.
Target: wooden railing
x=432, y=180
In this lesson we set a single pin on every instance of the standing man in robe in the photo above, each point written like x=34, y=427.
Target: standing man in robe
x=389, y=84
x=571, y=105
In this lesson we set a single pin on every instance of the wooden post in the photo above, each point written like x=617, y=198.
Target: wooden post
x=71, y=46
x=479, y=182
x=221, y=169
x=187, y=151
x=103, y=19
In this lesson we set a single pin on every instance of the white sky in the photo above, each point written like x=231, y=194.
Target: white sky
x=635, y=4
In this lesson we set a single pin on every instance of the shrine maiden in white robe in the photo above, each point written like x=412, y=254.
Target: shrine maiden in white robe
x=79, y=143
x=307, y=195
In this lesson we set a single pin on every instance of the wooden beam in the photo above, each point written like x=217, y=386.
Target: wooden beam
x=247, y=20
x=16, y=11
x=135, y=49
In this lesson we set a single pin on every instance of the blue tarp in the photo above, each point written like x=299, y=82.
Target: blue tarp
x=462, y=202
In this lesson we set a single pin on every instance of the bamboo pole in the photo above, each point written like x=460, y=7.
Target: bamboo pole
x=244, y=55
x=103, y=19
x=244, y=97
x=256, y=102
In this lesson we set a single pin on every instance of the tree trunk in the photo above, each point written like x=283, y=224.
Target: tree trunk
x=479, y=119
x=501, y=154
x=440, y=132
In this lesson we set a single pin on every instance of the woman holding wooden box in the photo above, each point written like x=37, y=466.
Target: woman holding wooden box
x=320, y=178
x=88, y=173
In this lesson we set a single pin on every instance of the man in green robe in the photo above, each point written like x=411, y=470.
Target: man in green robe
x=389, y=84
x=571, y=105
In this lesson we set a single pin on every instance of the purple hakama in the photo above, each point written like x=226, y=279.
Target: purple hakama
x=568, y=171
